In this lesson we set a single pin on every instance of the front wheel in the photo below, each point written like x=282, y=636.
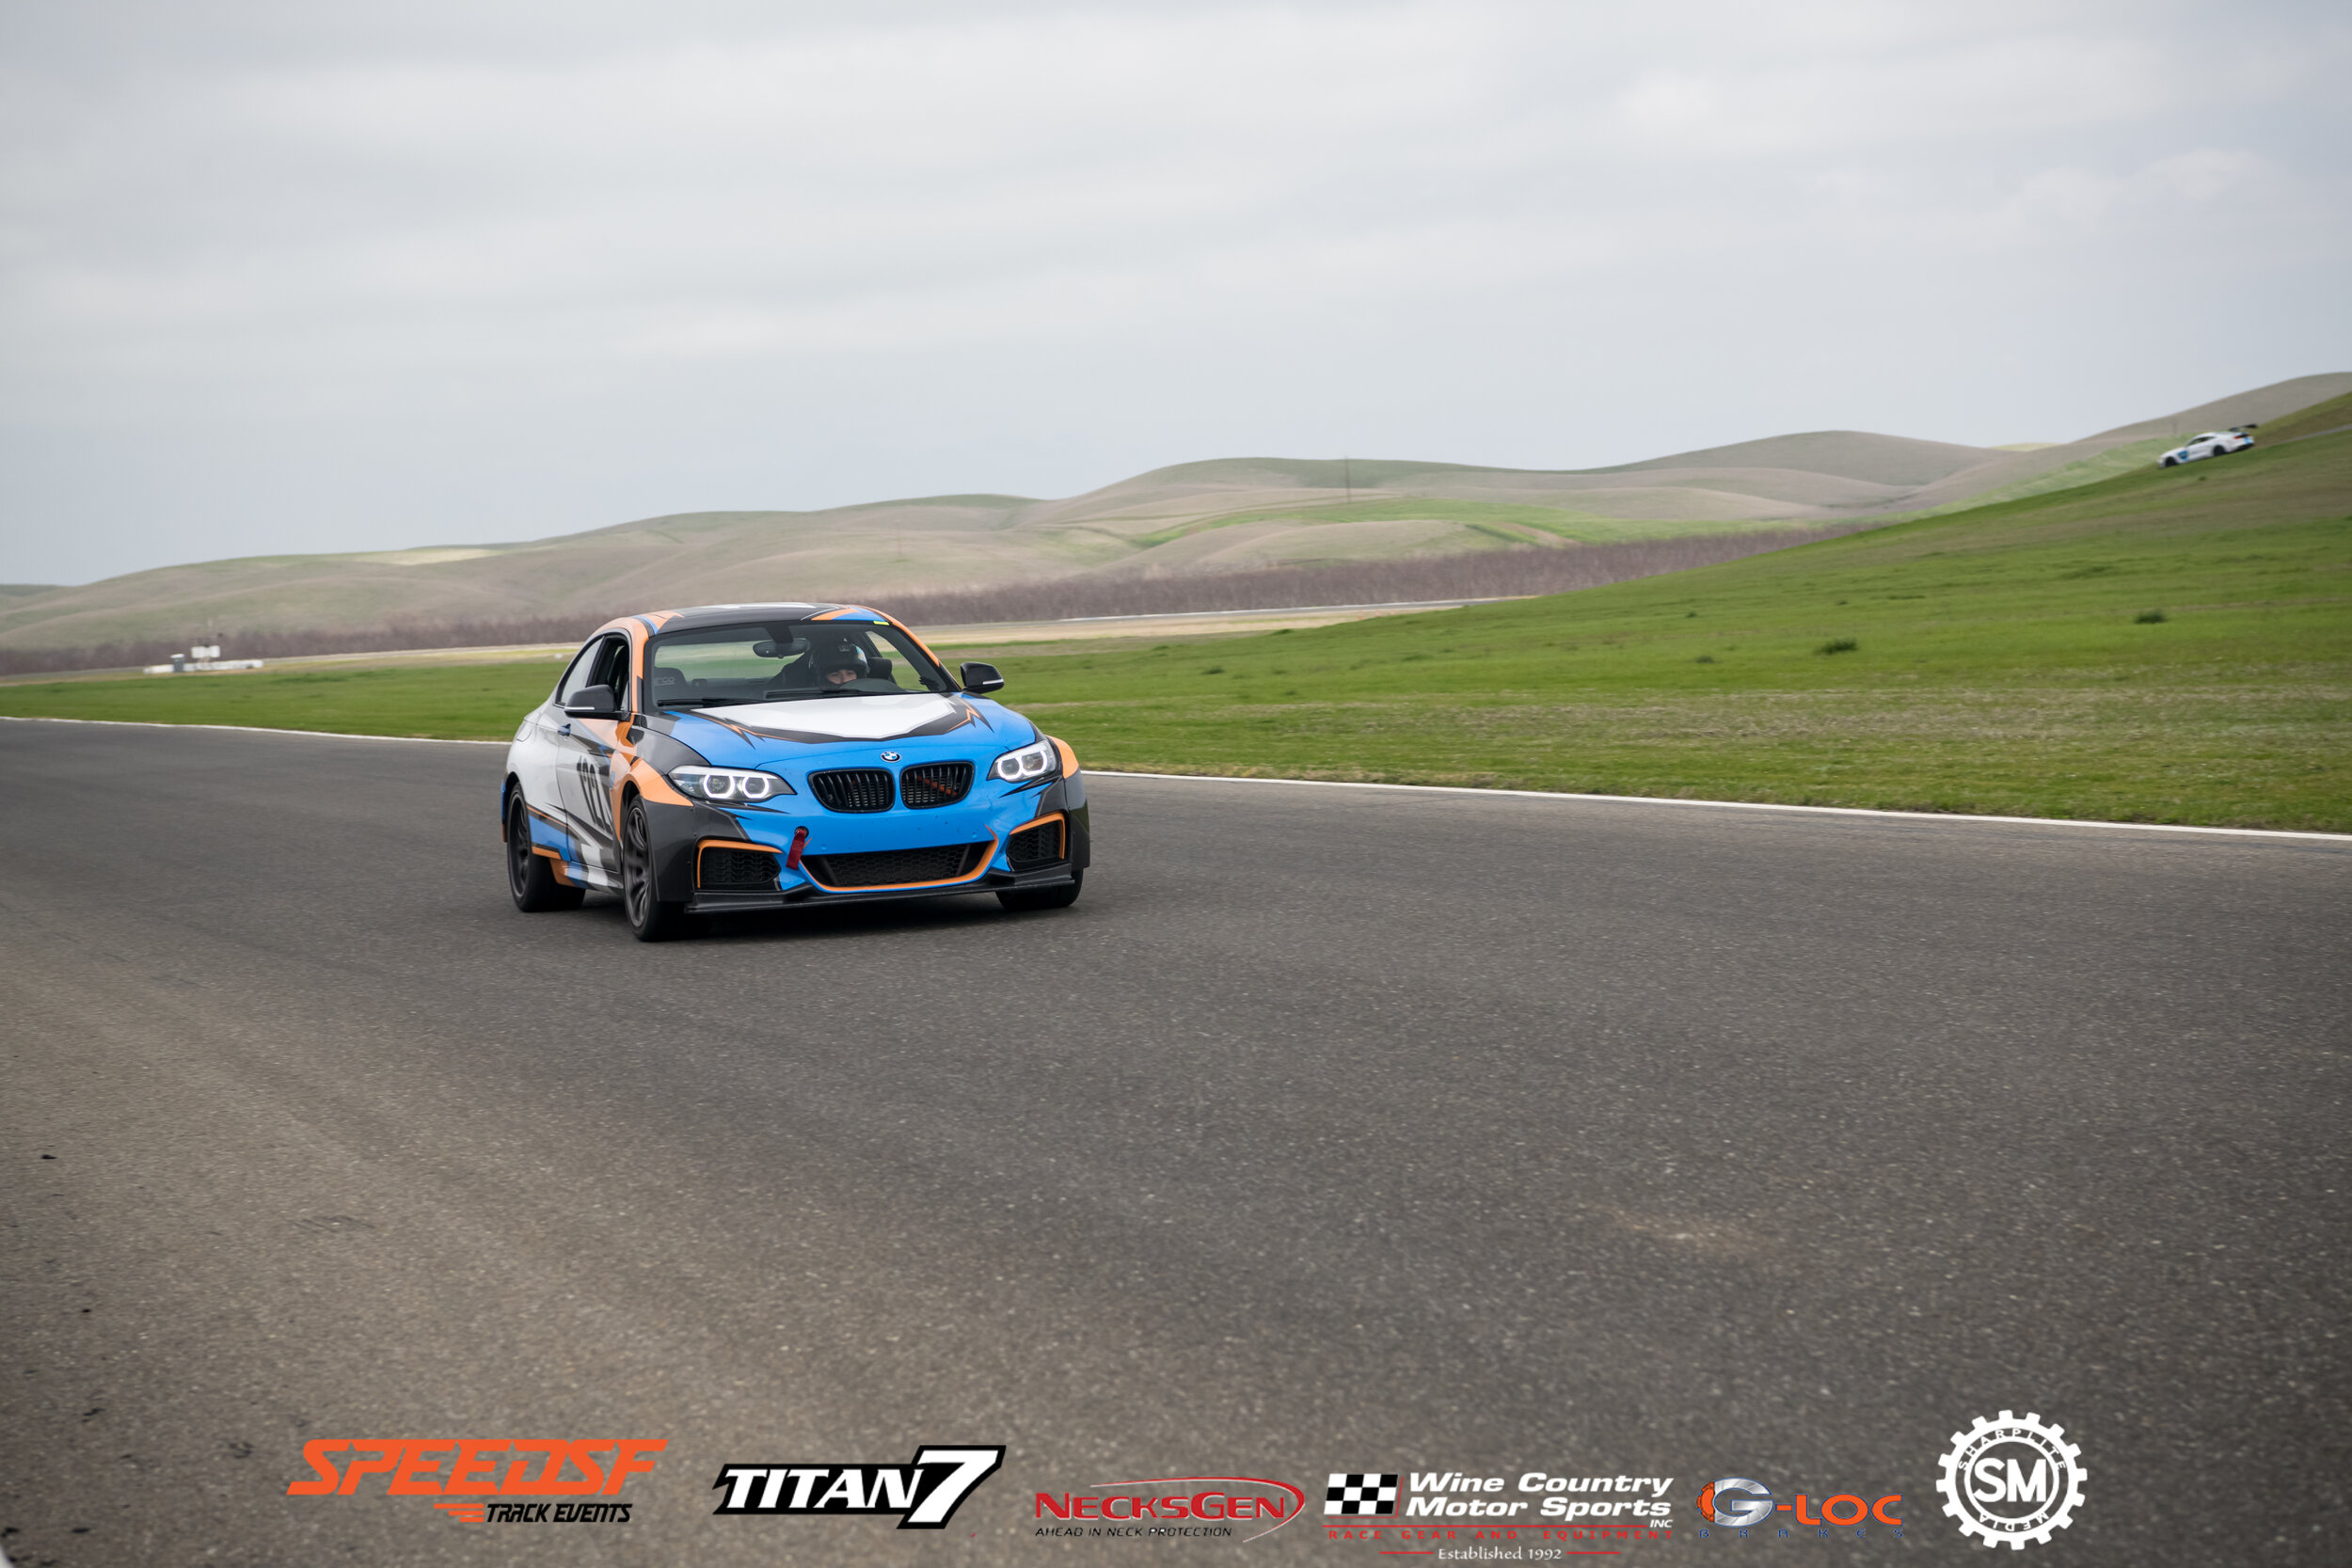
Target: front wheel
x=1025, y=899
x=2171, y=461
x=529, y=877
x=649, y=918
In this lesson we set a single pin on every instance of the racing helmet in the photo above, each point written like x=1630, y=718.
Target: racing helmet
x=847, y=654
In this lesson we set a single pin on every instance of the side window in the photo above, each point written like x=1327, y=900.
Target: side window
x=612, y=668
x=599, y=664
x=576, y=673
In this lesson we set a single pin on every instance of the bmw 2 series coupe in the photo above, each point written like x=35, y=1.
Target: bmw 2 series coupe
x=743, y=757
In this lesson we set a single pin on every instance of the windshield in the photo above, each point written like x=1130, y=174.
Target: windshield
x=775, y=661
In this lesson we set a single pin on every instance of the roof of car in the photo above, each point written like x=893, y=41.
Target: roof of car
x=790, y=610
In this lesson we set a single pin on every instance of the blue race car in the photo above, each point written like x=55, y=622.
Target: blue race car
x=739, y=757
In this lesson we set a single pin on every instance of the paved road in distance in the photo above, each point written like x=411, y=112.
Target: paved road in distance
x=1331, y=1130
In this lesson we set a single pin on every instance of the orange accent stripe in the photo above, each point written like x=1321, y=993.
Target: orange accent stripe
x=1049, y=816
x=875, y=887
x=563, y=877
x=1068, y=757
x=652, y=786
x=916, y=640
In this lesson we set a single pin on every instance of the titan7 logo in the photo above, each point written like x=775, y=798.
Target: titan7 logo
x=924, y=1495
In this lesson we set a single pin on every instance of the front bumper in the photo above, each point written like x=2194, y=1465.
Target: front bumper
x=681, y=831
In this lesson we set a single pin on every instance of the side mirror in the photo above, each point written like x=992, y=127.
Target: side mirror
x=592, y=701
x=978, y=678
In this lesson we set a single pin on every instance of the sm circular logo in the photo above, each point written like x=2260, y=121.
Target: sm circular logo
x=2010, y=1481
x=1735, y=1502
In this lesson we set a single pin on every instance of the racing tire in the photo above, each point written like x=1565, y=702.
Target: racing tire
x=532, y=877
x=1022, y=899
x=650, y=919
x=2171, y=462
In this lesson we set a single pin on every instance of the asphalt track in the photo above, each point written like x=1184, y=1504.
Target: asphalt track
x=1331, y=1130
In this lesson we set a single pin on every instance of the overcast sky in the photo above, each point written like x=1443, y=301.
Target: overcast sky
x=317, y=277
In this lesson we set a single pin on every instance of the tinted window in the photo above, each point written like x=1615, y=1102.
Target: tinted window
x=599, y=664
x=779, y=661
x=576, y=673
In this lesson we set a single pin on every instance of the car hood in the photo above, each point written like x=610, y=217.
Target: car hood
x=751, y=734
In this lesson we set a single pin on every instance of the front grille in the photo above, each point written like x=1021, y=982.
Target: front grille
x=737, y=871
x=889, y=868
x=852, y=789
x=1035, y=846
x=934, y=784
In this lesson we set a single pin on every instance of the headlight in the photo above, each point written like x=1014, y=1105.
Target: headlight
x=1033, y=761
x=732, y=787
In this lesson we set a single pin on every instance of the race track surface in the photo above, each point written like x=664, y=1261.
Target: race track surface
x=1331, y=1130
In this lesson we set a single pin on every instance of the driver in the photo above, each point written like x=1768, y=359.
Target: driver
x=838, y=663
x=841, y=664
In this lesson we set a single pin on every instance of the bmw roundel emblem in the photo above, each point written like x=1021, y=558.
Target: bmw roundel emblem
x=890, y=756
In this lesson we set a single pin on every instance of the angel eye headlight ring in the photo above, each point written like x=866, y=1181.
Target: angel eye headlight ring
x=729, y=786
x=1033, y=761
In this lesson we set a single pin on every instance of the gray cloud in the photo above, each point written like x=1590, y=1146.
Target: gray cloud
x=272, y=279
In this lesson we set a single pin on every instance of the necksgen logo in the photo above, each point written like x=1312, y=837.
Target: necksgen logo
x=924, y=1495
x=1173, y=1505
x=466, y=1469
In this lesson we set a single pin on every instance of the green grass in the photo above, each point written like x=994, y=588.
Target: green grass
x=2005, y=660
x=1999, y=660
x=2115, y=460
x=469, y=702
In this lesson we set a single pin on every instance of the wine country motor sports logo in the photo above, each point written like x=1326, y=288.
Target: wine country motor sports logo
x=1357, y=1495
x=1171, y=1507
x=1421, y=1509
x=2012, y=1480
x=1742, y=1503
x=465, y=1473
x=922, y=1494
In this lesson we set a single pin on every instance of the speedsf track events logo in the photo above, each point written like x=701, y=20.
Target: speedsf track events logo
x=1171, y=1507
x=922, y=1494
x=486, y=1479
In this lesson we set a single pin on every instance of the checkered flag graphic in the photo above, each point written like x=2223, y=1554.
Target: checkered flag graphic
x=1361, y=1493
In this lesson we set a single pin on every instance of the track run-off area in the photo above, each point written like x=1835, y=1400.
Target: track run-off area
x=1333, y=1131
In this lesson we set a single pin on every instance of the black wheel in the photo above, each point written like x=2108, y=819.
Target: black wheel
x=532, y=877
x=1025, y=899
x=649, y=918
x=2171, y=461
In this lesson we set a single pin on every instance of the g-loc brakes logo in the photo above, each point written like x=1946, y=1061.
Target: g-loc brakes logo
x=1988, y=1486
x=1736, y=1502
x=924, y=1495
x=471, y=1481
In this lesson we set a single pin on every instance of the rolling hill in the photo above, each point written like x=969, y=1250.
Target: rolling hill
x=1223, y=515
x=2168, y=645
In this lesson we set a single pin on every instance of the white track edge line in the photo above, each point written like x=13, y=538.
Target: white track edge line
x=1344, y=783
x=243, y=729
x=1745, y=805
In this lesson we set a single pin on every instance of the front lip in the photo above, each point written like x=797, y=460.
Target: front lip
x=991, y=818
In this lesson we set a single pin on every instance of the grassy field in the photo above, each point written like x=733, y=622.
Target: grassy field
x=2166, y=645
x=471, y=702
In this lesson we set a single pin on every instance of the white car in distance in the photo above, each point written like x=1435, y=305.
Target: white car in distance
x=2212, y=444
